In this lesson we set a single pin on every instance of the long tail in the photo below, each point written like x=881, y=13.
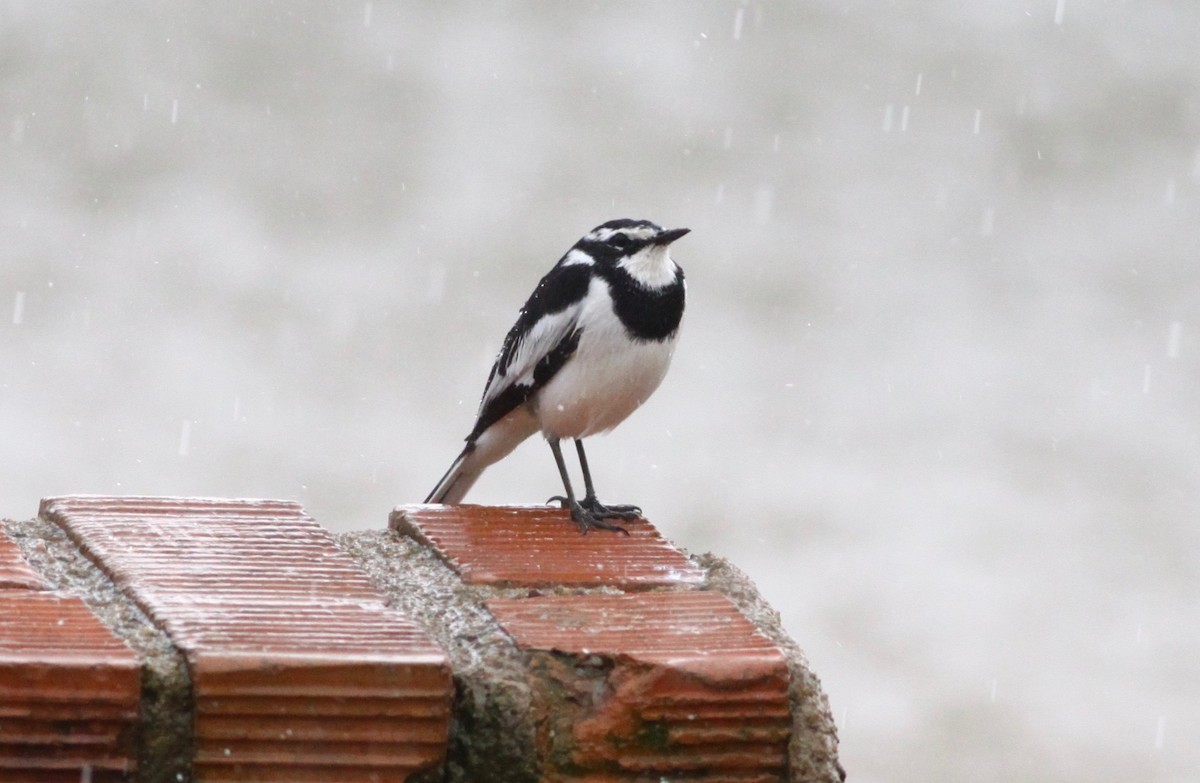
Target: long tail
x=459, y=478
x=492, y=445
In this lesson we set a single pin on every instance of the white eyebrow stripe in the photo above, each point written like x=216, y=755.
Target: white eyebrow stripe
x=633, y=232
x=577, y=256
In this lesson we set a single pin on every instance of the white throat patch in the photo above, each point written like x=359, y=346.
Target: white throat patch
x=651, y=266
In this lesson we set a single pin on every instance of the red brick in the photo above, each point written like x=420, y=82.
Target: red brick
x=14, y=571
x=653, y=684
x=539, y=546
x=299, y=671
x=69, y=691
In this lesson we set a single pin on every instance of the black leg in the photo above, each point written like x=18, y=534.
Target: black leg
x=587, y=474
x=591, y=503
x=583, y=516
x=562, y=471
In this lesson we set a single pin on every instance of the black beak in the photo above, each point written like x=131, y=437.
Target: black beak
x=670, y=235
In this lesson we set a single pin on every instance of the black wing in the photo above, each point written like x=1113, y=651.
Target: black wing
x=540, y=342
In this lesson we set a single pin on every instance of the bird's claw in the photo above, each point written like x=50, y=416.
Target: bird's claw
x=620, y=511
x=592, y=514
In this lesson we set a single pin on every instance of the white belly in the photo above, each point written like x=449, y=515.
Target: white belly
x=606, y=379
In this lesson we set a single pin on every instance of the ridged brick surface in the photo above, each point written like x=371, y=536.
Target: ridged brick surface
x=539, y=546
x=299, y=671
x=14, y=571
x=666, y=683
x=69, y=692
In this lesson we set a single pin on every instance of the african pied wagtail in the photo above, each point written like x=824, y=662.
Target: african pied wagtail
x=591, y=344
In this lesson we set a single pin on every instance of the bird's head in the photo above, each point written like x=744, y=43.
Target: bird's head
x=639, y=247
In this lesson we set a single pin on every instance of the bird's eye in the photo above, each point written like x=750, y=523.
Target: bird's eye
x=619, y=241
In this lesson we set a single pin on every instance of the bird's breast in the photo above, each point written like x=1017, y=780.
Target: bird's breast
x=606, y=379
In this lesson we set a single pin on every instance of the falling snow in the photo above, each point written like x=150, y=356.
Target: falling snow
x=987, y=224
x=764, y=202
x=18, y=311
x=1174, y=337
x=185, y=437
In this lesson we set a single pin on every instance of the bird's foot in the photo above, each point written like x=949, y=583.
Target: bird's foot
x=592, y=514
x=610, y=512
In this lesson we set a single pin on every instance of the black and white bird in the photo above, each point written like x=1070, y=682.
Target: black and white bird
x=591, y=344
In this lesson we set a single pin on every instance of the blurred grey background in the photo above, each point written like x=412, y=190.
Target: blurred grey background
x=938, y=385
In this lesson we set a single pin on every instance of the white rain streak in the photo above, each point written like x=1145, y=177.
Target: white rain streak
x=435, y=286
x=764, y=202
x=720, y=199
x=887, y=117
x=1174, y=336
x=185, y=437
x=978, y=120
x=1146, y=372
x=1169, y=194
x=368, y=9
x=988, y=224
x=738, y=19
x=237, y=407
x=174, y=111
x=1160, y=732
x=19, y=308
x=920, y=78
x=775, y=144
x=1059, y=9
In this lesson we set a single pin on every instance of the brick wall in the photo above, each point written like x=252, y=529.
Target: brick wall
x=168, y=639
